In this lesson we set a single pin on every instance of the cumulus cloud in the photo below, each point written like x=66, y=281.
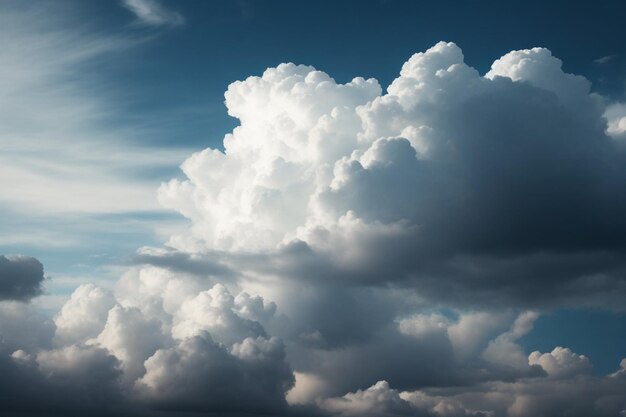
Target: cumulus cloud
x=83, y=316
x=20, y=277
x=153, y=13
x=381, y=400
x=445, y=182
x=345, y=236
x=200, y=374
x=21, y=327
x=561, y=362
x=174, y=346
x=504, y=350
x=597, y=396
x=378, y=399
x=616, y=117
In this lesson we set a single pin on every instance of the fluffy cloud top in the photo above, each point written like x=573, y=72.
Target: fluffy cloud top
x=445, y=182
x=20, y=277
x=561, y=362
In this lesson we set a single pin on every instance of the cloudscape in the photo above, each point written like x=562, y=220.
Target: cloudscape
x=368, y=209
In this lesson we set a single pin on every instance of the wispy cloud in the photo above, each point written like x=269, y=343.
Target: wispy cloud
x=58, y=142
x=68, y=153
x=605, y=59
x=152, y=13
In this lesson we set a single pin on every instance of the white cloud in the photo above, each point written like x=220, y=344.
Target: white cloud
x=424, y=181
x=561, y=362
x=131, y=338
x=84, y=315
x=504, y=350
x=54, y=144
x=584, y=396
x=153, y=13
x=616, y=116
x=71, y=163
x=203, y=374
x=378, y=400
x=381, y=400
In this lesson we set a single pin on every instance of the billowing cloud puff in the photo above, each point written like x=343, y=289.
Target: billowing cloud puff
x=378, y=400
x=616, y=117
x=20, y=277
x=589, y=396
x=200, y=374
x=132, y=338
x=345, y=236
x=442, y=184
x=84, y=315
x=199, y=350
x=561, y=362
x=381, y=400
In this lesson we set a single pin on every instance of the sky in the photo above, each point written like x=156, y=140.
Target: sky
x=330, y=208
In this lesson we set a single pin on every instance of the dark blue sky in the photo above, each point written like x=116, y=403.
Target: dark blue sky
x=224, y=41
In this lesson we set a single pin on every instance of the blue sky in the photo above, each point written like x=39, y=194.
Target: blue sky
x=101, y=102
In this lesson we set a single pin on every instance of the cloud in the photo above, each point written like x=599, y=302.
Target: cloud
x=381, y=400
x=173, y=345
x=597, y=396
x=605, y=59
x=504, y=351
x=55, y=144
x=577, y=393
x=83, y=316
x=132, y=338
x=20, y=277
x=67, y=140
x=56, y=382
x=23, y=328
x=152, y=13
x=616, y=116
x=561, y=362
x=346, y=236
x=428, y=186
x=202, y=375
x=378, y=400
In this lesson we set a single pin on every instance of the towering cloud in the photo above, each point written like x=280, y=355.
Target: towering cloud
x=358, y=253
x=446, y=182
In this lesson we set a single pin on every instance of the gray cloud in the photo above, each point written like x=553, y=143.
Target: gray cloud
x=205, y=265
x=583, y=396
x=72, y=380
x=20, y=277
